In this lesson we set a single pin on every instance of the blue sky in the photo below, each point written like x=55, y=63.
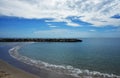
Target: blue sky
x=59, y=18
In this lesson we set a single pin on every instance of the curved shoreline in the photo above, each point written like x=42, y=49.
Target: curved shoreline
x=68, y=70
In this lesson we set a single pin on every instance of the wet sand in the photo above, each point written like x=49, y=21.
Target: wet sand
x=8, y=71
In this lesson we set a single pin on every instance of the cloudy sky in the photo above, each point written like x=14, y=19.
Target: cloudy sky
x=60, y=18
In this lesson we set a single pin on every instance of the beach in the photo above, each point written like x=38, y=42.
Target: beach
x=12, y=68
x=59, y=38
x=16, y=65
x=8, y=71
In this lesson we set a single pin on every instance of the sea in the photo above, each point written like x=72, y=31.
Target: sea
x=92, y=55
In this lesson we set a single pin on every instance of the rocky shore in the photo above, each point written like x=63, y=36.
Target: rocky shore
x=39, y=40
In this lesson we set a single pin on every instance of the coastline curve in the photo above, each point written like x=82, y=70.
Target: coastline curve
x=62, y=69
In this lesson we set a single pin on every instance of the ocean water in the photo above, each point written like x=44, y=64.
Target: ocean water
x=93, y=54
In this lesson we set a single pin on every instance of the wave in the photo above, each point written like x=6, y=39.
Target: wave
x=62, y=69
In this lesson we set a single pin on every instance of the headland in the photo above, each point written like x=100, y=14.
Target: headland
x=40, y=40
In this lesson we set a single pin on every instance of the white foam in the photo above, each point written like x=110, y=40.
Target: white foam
x=69, y=70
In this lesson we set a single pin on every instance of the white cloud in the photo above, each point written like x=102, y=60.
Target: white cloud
x=55, y=32
x=67, y=21
x=49, y=24
x=92, y=30
x=65, y=33
x=53, y=26
x=70, y=23
x=61, y=33
x=96, y=12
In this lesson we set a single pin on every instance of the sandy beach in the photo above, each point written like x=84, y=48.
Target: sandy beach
x=8, y=71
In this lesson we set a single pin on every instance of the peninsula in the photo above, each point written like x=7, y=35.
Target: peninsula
x=40, y=40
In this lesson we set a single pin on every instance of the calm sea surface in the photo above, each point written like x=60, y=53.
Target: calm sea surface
x=101, y=55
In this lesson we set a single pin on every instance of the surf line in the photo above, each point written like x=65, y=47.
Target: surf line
x=62, y=69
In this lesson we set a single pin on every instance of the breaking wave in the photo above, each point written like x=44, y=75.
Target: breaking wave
x=68, y=70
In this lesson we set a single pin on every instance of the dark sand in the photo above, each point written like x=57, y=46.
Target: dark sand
x=8, y=71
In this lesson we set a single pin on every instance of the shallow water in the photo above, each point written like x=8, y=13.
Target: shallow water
x=101, y=55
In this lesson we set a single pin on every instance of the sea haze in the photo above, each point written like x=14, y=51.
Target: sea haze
x=94, y=54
